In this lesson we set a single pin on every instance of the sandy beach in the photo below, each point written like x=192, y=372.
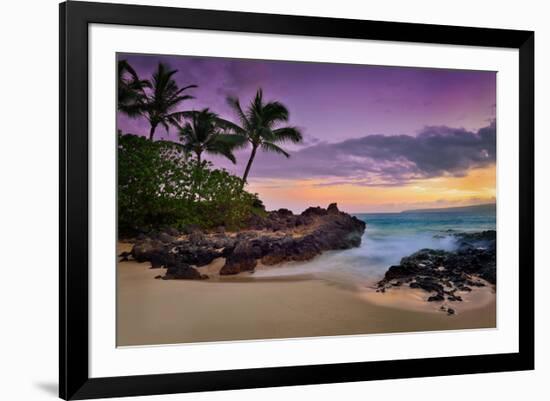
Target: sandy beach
x=253, y=306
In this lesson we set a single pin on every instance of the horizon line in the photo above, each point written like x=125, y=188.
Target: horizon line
x=400, y=211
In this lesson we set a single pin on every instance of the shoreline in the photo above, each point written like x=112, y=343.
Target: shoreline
x=247, y=306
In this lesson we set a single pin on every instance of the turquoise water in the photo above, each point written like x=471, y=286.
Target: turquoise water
x=427, y=222
x=389, y=237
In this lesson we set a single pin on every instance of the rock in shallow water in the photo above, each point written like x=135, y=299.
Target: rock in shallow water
x=443, y=273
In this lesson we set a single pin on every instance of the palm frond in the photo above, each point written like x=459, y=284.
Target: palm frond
x=203, y=131
x=130, y=109
x=223, y=152
x=232, y=140
x=164, y=123
x=175, y=100
x=292, y=134
x=125, y=67
x=230, y=126
x=165, y=95
x=264, y=134
x=185, y=88
x=234, y=103
x=131, y=94
x=271, y=147
x=274, y=112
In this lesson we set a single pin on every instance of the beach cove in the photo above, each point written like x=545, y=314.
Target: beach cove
x=295, y=299
x=236, y=308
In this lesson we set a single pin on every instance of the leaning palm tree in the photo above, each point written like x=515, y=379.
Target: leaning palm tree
x=164, y=97
x=131, y=94
x=206, y=132
x=260, y=125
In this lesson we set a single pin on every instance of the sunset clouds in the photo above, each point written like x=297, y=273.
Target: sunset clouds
x=384, y=160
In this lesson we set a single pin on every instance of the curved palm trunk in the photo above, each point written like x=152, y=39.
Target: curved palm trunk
x=249, y=164
x=152, y=132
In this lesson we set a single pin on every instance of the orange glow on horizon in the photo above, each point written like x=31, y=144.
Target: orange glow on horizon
x=478, y=186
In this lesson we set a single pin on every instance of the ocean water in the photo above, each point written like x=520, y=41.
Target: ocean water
x=388, y=238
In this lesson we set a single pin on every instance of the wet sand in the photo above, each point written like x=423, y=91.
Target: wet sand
x=243, y=307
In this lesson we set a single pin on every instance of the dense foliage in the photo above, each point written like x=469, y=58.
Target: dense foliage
x=159, y=185
x=163, y=183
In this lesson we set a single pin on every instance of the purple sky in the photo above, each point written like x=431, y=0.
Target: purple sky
x=366, y=125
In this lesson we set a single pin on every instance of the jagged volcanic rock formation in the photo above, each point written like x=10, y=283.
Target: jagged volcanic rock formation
x=444, y=274
x=279, y=237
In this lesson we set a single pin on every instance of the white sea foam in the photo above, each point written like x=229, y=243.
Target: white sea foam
x=387, y=239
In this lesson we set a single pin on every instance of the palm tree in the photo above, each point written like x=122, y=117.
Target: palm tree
x=131, y=94
x=260, y=126
x=207, y=132
x=164, y=97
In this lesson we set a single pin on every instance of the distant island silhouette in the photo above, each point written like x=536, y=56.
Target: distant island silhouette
x=486, y=207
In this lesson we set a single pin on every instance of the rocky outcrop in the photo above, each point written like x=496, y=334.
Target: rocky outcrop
x=182, y=271
x=243, y=257
x=446, y=274
x=307, y=235
x=278, y=237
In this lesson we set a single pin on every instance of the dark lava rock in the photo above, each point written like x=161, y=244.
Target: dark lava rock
x=332, y=209
x=279, y=236
x=182, y=271
x=161, y=254
x=198, y=256
x=172, y=231
x=484, y=239
x=290, y=249
x=166, y=238
x=142, y=251
x=400, y=271
x=284, y=213
x=454, y=298
x=243, y=258
x=444, y=272
x=331, y=230
x=161, y=258
x=428, y=284
x=475, y=283
x=314, y=211
x=489, y=273
x=436, y=298
x=196, y=238
x=302, y=221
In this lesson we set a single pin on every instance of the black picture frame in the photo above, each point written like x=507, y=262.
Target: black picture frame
x=75, y=382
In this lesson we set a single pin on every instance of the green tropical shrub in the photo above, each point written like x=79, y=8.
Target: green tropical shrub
x=158, y=185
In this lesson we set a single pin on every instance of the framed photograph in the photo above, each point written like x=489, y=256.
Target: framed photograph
x=253, y=200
